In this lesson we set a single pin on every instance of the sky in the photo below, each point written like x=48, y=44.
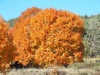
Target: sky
x=12, y=8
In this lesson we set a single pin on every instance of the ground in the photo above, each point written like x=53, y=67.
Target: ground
x=89, y=67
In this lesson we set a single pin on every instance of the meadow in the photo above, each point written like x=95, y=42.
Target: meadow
x=90, y=66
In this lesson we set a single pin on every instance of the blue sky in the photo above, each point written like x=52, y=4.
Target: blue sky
x=13, y=8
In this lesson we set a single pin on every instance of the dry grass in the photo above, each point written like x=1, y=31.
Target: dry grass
x=87, y=68
x=56, y=71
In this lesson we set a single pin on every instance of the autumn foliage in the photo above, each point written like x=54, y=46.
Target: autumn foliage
x=56, y=37
x=21, y=35
x=42, y=37
x=49, y=37
x=7, y=50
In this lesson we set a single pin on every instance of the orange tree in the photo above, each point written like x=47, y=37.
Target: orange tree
x=48, y=37
x=7, y=50
x=20, y=34
x=56, y=37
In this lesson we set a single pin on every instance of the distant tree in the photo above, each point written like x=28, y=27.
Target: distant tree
x=92, y=38
x=85, y=16
x=98, y=17
x=12, y=21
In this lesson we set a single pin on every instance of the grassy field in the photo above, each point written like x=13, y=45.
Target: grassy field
x=88, y=67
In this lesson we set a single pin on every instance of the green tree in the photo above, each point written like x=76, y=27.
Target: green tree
x=92, y=37
x=12, y=21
